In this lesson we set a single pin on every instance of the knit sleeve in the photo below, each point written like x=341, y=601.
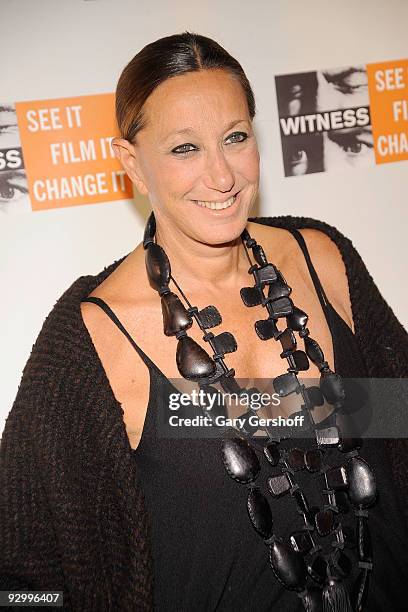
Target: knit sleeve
x=28, y=552
x=71, y=513
x=383, y=339
x=29, y=549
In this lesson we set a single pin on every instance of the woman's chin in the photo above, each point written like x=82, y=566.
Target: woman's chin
x=220, y=233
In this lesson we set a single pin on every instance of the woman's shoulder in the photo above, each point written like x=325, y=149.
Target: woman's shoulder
x=293, y=222
x=328, y=249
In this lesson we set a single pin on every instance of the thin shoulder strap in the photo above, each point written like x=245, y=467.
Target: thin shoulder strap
x=316, y=281
x=100, y=302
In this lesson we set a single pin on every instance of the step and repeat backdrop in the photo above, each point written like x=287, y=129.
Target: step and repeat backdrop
x=332, y=127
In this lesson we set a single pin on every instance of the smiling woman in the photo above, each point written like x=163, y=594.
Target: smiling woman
x=124, y=516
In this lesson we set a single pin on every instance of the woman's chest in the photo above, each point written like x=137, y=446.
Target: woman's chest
x=255, y=361
x=254, y=357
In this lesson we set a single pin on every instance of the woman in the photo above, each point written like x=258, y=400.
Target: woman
x=100, y=505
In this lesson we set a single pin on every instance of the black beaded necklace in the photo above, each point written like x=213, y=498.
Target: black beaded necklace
x=302, y=564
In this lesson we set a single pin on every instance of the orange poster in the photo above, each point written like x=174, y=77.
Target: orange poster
x=67, y=153
x=388, y=87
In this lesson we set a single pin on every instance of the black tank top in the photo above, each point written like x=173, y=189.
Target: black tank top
x=206, y=554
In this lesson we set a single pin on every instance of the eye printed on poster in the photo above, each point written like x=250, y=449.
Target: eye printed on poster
x=13, y=179
x=339, y=118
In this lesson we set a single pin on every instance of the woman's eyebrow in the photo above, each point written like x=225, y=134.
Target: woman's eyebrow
x=190, y=130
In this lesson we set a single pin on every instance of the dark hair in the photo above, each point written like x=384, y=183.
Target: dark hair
x=164, y=58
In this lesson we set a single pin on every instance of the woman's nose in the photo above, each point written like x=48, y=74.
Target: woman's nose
x=219, y=174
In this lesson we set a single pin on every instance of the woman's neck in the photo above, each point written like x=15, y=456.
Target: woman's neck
x=196, y=265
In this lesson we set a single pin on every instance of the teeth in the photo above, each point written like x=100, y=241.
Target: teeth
x=216, y=205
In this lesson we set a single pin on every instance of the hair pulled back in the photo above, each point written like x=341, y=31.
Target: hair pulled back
x=165, y=58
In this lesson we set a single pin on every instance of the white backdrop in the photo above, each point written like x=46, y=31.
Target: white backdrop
x=67, y=48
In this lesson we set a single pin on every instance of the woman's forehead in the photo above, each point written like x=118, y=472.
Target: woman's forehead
x=188, y=102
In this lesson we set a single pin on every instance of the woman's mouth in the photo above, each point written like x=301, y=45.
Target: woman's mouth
x=217, y=205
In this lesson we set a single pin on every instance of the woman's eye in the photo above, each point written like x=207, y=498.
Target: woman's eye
x=241, y=135
x=181, y=150
x=186, y=148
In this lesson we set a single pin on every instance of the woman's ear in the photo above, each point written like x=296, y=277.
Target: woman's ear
x=126, y=153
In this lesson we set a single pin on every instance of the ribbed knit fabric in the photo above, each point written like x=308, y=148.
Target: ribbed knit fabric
x=72, y=514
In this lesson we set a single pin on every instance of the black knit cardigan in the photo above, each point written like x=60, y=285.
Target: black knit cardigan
x=72, y=511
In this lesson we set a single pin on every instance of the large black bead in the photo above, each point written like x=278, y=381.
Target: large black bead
x=365, y=551
x=229, y=383
x=240, y=459
x=251, y=296
x=329, y=436
x=266, y=329
x=337, y=478
x=296, y=458
x=150, y=230
x=278, y=289
x=278, y=485
x=362, y=486
x=324, y=521
x=281, y=307
x=192, y=360
x=157, y=266
x=300, y=360
x=271, y=452
x=287, y=565
x=348, y=444
x=301, y=541
x=317, y=568
x=313, y=350
x=297, y=320
x=285, y=384
x=224, y=343
x=175, y=315
x=260, y=513
x=288, y=342
x=209, y=317
x=342, y=501
x=259, y=255
x=331, y=385
x=315, y=396
x=313, y=459
x=265, y=275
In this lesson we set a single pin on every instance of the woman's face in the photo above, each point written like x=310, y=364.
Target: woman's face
x=198, y=146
